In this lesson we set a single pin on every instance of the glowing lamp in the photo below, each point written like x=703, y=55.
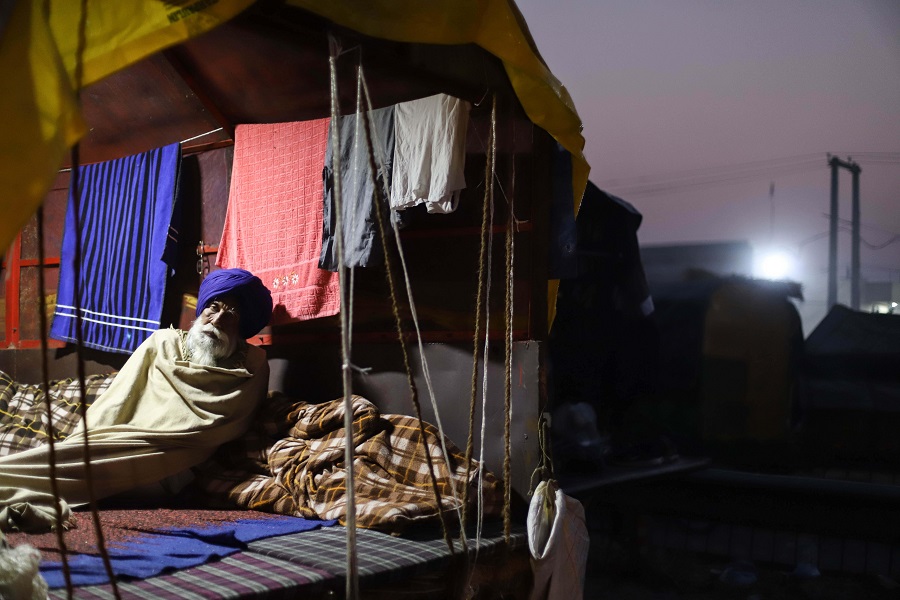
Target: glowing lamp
x=775, y=265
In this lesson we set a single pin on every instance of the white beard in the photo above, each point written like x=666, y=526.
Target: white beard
x=206, y=350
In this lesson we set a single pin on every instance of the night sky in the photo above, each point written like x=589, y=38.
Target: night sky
x=715, y=119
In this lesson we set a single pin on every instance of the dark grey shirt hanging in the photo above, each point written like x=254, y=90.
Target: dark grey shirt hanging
x=361, y=246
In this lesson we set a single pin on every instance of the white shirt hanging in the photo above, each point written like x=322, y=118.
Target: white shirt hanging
x=429, y=153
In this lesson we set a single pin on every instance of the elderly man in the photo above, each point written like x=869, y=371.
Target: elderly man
x=177, y=398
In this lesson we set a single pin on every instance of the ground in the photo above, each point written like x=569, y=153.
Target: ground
x=665, y=574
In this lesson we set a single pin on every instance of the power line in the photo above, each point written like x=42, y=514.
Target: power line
x=818, y=236
x=738, y=172
x=714, y=170
x=862, y=225
x=713, y=180
x=893, y=240
x=891, y=156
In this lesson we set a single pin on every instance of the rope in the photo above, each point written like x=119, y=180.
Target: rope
x=479, y=307
x=507, y=466
x=380, y=201
x=79, y=329
x=487, y=317
x=484, y=283
x=82, y=407
x=545, y=462
x=352, y=587
x=425, y=370
x=427, y=373
x=45, y=383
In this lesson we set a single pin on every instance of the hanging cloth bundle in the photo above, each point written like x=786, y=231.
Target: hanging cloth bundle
x=558, y=541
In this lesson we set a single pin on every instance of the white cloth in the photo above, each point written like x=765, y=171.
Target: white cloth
x=19, y=575
x=429, y=153
x=559, y=543
x=161, y=414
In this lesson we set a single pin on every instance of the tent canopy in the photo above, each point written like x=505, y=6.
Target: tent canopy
x=187, y=71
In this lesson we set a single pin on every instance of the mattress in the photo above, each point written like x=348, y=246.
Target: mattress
x=310, y=563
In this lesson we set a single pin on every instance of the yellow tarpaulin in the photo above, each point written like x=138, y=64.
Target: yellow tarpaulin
x=38, y=52
x=498, y=27
x=38, y=57
x=495, y=25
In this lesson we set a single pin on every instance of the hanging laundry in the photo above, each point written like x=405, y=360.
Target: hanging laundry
x=128, y=230
x=361, y=246
x=430, y=153
x=273, y=224
x=558, y=541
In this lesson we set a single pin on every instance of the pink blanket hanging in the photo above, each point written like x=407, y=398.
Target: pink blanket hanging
x=273, y=225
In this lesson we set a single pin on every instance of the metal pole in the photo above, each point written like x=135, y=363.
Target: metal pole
x=832, y=235
x=854, y=260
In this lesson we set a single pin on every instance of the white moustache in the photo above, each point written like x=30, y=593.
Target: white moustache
x=207, y=343
x=215, y=331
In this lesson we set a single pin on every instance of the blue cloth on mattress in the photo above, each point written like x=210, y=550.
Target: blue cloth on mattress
x=127, y=225
x=152, y=553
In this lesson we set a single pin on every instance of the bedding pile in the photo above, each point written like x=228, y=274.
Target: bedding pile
x=293, y=463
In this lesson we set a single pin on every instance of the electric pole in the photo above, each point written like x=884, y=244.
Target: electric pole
x=835, y=163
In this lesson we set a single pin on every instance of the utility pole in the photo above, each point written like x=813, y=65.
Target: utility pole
x=835, y=163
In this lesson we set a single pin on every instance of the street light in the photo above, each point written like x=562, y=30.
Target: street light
x=776, y=265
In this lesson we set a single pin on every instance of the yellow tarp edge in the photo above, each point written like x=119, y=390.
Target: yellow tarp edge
x=37, y=63
x=493, y=25
x=41, y=117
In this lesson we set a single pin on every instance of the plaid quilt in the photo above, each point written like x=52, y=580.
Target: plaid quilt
x=293, y=463
x=23, y=412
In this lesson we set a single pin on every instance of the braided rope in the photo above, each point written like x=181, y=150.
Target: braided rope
x=352, y=583
x=79, y=325
x=479, y=304
x=507, y=378
x=484, y=281
x=82, y=406
x=380, y=205
x=487, y=316
x=423, y=359
x=45, y=385
x=380, y=202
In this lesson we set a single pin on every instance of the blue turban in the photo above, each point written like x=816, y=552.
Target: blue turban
x=254, y=299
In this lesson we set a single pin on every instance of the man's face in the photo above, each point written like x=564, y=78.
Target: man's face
x=220, y=321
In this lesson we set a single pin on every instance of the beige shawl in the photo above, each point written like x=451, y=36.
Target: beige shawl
x=162, y=414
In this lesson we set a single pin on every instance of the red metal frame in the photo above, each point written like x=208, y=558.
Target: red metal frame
x=266, y=339
x=12, y=292
x=53, y=261
x=13, y=265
